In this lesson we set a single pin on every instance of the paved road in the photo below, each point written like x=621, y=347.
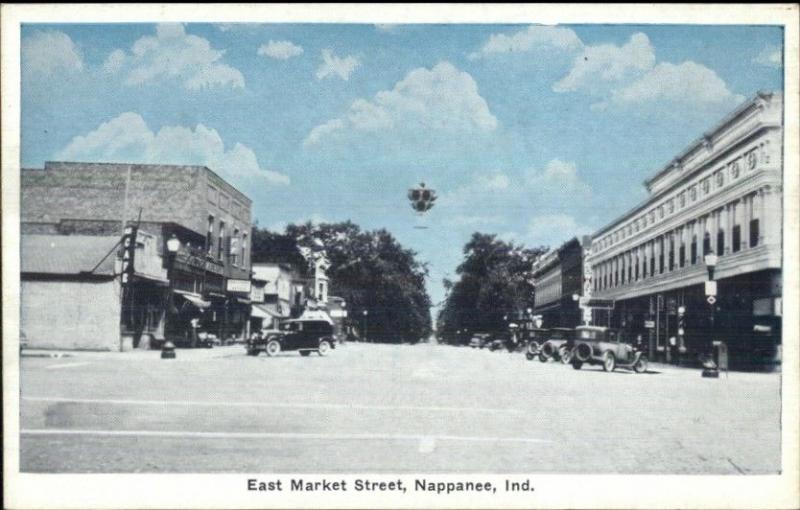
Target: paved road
x=381, y=409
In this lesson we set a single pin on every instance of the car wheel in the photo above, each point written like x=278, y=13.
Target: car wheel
x=609, y=361
x=542, y=357
x=324, y=347
x=305, y=353
x=641, y=366
x=565, y=354
x=273, y=348
x=577, y=364
x=529, y=356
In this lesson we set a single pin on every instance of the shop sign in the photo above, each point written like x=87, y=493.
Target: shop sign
x=711, y=288
x=649, y=324
x=238, y=286
x=338, y=314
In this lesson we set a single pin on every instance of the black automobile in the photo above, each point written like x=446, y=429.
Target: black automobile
x=302, y=335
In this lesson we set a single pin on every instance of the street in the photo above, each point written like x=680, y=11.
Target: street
x=375, y=408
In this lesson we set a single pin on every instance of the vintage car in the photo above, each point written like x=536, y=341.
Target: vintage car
x=479, y=340
x=534, y=338
x=606, y=346
x=558, y=345
x=302, y=335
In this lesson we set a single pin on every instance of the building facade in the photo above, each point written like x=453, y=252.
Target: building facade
x=721, y=196
x=209, y=274
x=558, y=280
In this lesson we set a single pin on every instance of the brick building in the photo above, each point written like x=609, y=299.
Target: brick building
x=209, y=275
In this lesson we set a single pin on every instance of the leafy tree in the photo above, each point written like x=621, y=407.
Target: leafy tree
x=370, y=270
x=494, y=282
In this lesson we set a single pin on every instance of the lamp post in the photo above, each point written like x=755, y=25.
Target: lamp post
x=710, y=368
x=173, y=245
x=365, y=313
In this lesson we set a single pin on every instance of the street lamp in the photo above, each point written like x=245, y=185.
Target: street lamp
x=173, y=245
x=710, y=367
x=365, y=313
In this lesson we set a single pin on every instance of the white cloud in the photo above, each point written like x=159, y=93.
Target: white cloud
x=50, y=53
x=770, y=56
x=127, y=138
x=442, y=98
x=114, y=61
x=173, y=54
x=554, y=229
x=688, y=82
x=558, y=177
x=534, y=37
x=608, y=63
x=281, y=50
x=336, y=66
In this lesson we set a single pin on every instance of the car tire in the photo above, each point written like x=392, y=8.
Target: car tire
x=609, y=361
x=565, y=355
x=305, y=353
x=529, y=356
x=273, y=348
x=324, y=347
x=576, y=364
x=543, y=357
x=640, y=366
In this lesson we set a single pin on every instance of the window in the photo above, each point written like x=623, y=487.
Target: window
x=706, y=243
x=693, y=250
x=630, y=272
x=244, y=250
x=720, y=242
x=221, y=245
x=754, y=233
x=210, y=235
x=652, y=265
x=661, y=260
x=682, y=255
x=671, y=256
x=234, y=254
x=693, y=193
x=706, y=186
x=737, y=238
x=636, y=269
x=720, y=179
x=683, y=199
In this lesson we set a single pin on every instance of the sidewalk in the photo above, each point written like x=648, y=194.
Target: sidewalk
x=136, y=354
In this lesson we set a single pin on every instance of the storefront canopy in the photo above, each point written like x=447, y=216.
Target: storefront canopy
x=261, y=312
x=194, y=299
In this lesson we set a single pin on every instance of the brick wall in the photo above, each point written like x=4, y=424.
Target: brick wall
x=71, y=315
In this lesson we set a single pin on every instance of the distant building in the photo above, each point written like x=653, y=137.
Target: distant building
x=209, y=276
x=721, y=196
x=558, y=278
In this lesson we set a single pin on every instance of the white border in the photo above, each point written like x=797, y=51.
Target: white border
x=227, y=491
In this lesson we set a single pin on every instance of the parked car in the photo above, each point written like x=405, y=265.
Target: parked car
x=607, y=347
x=302, y=335
x=558, y=345
x=479, y=340
x=534, y=338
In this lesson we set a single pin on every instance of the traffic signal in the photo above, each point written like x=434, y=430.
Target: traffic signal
x=128, y=252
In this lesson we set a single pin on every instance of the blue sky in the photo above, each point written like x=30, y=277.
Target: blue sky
x=536, y=133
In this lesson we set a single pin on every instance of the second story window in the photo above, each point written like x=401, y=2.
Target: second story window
x=210, y=235
x=234, y=248
x=221, y=245
x=244, y=250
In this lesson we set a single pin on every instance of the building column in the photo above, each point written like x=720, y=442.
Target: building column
x=713, y=230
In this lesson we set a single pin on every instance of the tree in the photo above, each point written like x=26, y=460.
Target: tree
x=370, y=270
x=494, y=283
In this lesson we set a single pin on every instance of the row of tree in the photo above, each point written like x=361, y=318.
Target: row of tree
x=494, y=284
x=370, y=270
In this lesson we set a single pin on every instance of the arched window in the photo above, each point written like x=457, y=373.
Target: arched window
x=706, y=243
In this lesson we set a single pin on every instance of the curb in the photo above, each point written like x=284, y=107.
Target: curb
x=25, y=354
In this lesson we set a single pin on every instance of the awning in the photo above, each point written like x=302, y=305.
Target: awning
x=315, y=315
x=194, y=299
x=260, y=312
